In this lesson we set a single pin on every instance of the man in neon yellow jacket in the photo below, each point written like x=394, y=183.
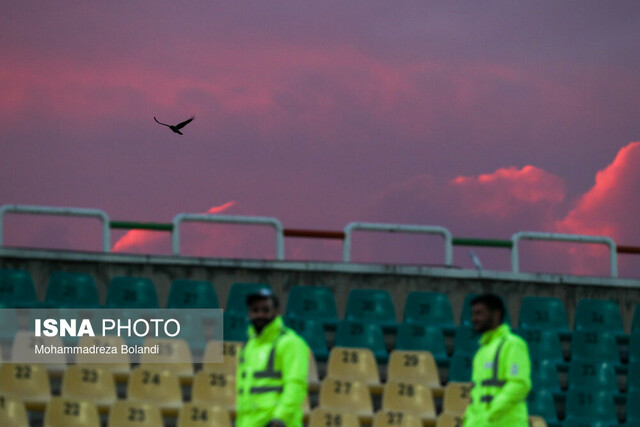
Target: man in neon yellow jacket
x=272, y=369
x=501, y=369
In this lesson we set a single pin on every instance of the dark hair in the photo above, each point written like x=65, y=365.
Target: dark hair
x=492, y=301
x=263, y=294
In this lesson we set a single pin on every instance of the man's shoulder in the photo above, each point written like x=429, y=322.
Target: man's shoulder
x=290, y=337
x=516, y=340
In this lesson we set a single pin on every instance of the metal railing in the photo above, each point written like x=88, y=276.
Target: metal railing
x=577, y=238
x=397, y=228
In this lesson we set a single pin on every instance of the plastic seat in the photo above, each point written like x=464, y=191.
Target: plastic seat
x=237, y=299
x=460, y=367
x=635, y=324
x=465, y=317
x=192, y=294
x=89, y=383
x=173, y=355
x=633, y=407
x=313, y=302
x=312, y=331
x=13, y=413
x=132, y=292
x=198, y=415
x=466, y=341
x=591, y=406
x=228, y=365
x=64, y=412
x=386, y=418
x=456, y=397
x=71, y=290
x=372, y=306
x=446, y=419
x=429, y=308
x=17, y=289
x=598, y=315
x=634, y=347
x=321, y=417
x=536, y=421
x=357, y=364
x=161, y=388
x=235, y=327
x=417, y=366
x=547, y=313
x=540, y=402
x=595, y=346
x=543, y=344
x=23, y=349
x=125, y=413
x=118, y=364
x=573, y=422
x=362, y=335
x=585, y=375
x=422, y=338
x=633, y=377
x=10, y=324
x=544, y=376
x=26, y=382
x=347, y=396
x=407, y=397
x=214, y=388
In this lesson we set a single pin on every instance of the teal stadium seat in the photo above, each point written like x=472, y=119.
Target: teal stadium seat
x=417, y=337
x=544, y=376
x=313, y=302
x=543, y=344
x=132, y=292
x=17, y=289
x=8, y=324
x=635, y=324
x=460, y=367
x=591, y=406
x=598, y=315
x=237, y=299
x=633, y=408
x=634, y=347
x=544, y=313
x=465, y=317
x=372, y=306
x=71, y=290
x=633, y=377
x=540, y=402
x=429, y=308
x=592, y=376
x=587, y=423
x=312, y=330
x=192, y=294
x=362, y=335
x=595, y=346
x=466, y=341
x=235, y=327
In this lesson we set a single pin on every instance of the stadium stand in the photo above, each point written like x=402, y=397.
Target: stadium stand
x=543, y=344
x=388, y=418
x=312, y=330
x=198, y=415
x=64, y=412
x=321, y=417
x=418, y=337
x=600, y=316
x=540, y=402
x=26, y=382
x=456, y=397
x=590, y=407
x=192, y=294
x=357, y=364
x=162, y=388
x=460, y=367
x=89, y=383
x=237, y=299
x=17, y=289
x=544, y=376
x=71, y=290
x=545, y=313
x=215, y=388
x=415, y=366
x=429, y=308
x=348, y=396
x=13, y=413
x=371, y=306
x=363, y=335
x=126, y=413
x=313, y=302
x=132, y=292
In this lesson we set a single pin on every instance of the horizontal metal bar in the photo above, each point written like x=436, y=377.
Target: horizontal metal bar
x=314, y=234
x=489, y=243
x=132, y=225
x=628, y=249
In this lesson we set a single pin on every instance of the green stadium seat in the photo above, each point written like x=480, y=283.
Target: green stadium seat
x=9, y=325
x=591, y=406
x=363, y=335
x=465, y=340
x=634, y=347
x=312, y=330
x=572, y=422
x=71, y=290
x=543, y=344
x=460, y=367
x=635, y=324
x=192, y=294
x=540, y=402
x=132, y=292
x=598, y=315
x=237, y=299
x=544, y=376
x=633, y=407
x=17, y=289
x=235, y=327
x=313, y=302
x=544, y=313
x=465, y=318
x=595, y=346
x=418, y=337
x=587, y=375
x=429, y=308
x=633, y=377
x=373, y=306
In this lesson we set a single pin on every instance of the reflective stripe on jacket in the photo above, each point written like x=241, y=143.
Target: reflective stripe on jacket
x=501, y=381
x=272, y=377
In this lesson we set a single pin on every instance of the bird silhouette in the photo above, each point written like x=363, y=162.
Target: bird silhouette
x=177, y=127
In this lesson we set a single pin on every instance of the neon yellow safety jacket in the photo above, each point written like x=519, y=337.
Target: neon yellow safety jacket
x=272, y=377
x=501, y=381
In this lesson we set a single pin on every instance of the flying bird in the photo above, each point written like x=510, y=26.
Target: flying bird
x=177, y=127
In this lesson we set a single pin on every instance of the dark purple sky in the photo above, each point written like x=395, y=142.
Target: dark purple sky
x=484, y=117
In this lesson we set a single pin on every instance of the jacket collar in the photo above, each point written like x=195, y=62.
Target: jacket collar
x=495, y=334
x=270, y=332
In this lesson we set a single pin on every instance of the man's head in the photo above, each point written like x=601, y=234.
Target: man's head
x=263, y=308
x=487, y=312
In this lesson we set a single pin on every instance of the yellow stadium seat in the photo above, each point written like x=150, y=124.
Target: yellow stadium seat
x=12, y=413
x=456, y=397
x=26, y=382
x=214, y=388
x=348, y=396
x=230, y=351
x=62, y=412
x=411, y=398
x=449, y=420
x=89, y=383
x=134, y=414
x=321, y=417
x=173, y=355
x=358, y=364
x=385, y=418
x=199, y=415
x=159, y=387
x=535, y=421
x=118, y=363
x=414, y=366
x=23, y=351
